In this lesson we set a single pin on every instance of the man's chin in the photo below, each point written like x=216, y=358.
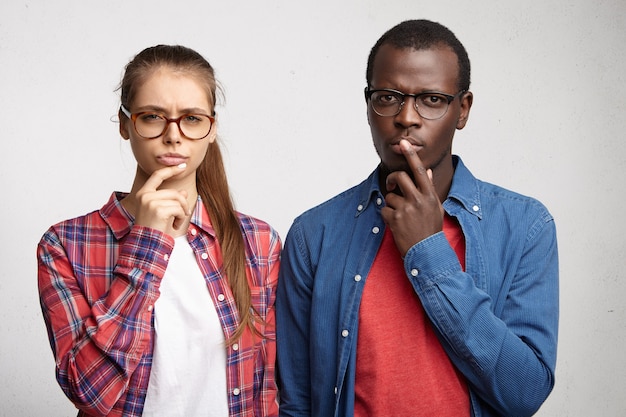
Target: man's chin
x=389, y=168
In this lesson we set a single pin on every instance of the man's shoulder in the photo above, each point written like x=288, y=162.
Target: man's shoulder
x=496, y=195
x=346, y=201
x=488, y=196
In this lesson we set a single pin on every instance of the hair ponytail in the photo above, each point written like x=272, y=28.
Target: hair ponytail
x=213, y=189
x=211, y=179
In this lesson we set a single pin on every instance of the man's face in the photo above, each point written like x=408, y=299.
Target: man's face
x=412, y=72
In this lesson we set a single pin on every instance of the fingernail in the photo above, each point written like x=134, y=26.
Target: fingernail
x=183, y=165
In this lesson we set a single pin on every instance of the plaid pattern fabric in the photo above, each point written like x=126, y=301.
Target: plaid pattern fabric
x=99, y=278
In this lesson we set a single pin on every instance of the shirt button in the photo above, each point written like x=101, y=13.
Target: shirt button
x=357, y=277
x=150, y=308
x=375, y=230
x=236, y=346
x=236, y=391
x=475, y=208
x=194, y=232
x=221, y=297
x=345, y=333
x=414, y=272
x=166, y=256
x=335, y=390
x=360, y=207
x=204, y=256
x=379, y=201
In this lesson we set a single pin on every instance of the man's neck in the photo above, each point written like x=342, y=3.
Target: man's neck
x=442, y=180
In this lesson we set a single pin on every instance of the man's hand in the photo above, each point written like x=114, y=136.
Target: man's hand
x=165, y=210
x=417, y=213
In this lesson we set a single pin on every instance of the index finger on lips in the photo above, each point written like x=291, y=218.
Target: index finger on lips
x=420, y=173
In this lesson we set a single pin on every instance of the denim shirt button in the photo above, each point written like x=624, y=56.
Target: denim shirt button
x=357, y=277
x=375, y=230
x=379, y=201
x=345, y=333
x=360, y=207
x=475, y=208
x=414, y=272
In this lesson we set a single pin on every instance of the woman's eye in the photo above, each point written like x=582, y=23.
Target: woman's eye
x=152, y=117
x=192, y=118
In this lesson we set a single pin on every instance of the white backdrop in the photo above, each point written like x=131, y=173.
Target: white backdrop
x=548, y=121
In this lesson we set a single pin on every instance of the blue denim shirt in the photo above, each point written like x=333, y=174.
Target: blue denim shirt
x=497, y=321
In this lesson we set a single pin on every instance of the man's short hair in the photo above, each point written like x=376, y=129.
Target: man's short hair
x=419, y=35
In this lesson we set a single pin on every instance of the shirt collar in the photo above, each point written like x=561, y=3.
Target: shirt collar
x=200, y=218
x=120, y=221
x=464, y=190
x=369, y=193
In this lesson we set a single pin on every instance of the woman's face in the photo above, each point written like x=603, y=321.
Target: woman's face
x=171, y=93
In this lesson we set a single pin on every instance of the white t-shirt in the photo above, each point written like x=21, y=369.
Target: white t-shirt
x=188, y=375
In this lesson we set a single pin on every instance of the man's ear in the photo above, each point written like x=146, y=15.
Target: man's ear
x=466, y=104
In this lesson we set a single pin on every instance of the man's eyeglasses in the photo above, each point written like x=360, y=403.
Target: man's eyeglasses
x=429, y=105
x=150, y=125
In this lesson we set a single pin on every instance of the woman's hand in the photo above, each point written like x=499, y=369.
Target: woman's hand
x=166, y=210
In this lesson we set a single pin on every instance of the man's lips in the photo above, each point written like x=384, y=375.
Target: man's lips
x=171, y=159
x=395, y=146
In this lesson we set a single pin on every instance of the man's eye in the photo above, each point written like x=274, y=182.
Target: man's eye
x=433, y=100
x=387, y=98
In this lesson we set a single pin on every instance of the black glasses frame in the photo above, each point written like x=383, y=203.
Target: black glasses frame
x=450, y=98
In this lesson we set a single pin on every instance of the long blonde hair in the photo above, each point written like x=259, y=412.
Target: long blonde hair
x=210, y=177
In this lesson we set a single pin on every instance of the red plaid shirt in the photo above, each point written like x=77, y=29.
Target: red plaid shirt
x=98, y=280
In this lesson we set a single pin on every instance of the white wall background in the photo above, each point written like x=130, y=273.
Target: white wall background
x=548, y=120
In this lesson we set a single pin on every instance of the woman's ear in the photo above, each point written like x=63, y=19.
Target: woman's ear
x=213, y=133
x=123, y=124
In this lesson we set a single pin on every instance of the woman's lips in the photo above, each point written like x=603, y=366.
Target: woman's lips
x=171, y=160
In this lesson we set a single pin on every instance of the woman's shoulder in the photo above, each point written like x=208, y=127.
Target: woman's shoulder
x=259, y=233
x=93, y=224
x=254, y=224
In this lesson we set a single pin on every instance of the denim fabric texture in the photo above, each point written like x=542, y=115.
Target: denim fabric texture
x=497, y=321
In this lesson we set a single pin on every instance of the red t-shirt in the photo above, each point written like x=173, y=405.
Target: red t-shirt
x=401, y=368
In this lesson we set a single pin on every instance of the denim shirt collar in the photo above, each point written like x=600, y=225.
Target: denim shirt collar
x=370, y=193
x=464, y=192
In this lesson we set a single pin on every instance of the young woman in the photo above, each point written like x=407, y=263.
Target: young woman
x=161, y=303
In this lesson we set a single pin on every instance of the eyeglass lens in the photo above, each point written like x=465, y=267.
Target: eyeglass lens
x=429, y=106
x=192, y=126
